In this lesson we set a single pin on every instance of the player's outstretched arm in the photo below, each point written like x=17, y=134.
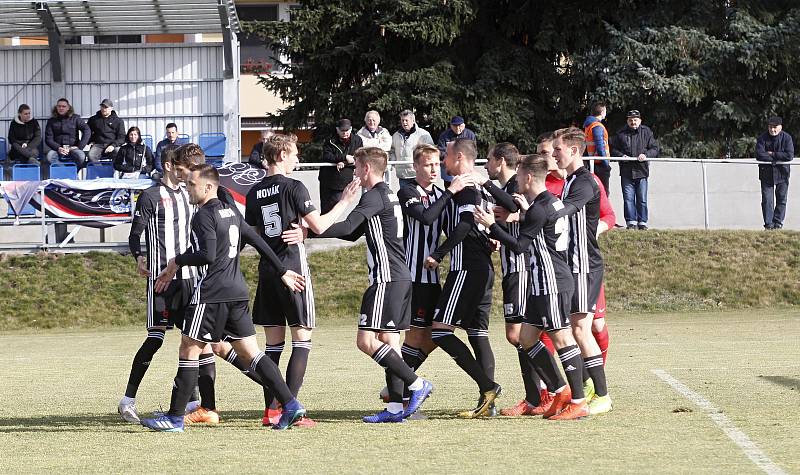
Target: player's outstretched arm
x=501, y=197
x=318, y=223
x=251, y=237
x=413, y=207
x=534, y=221
x=350, y=229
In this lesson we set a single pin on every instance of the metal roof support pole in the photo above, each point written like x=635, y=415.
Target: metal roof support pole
x=53, y=39
x=222, y=8
x=230, y=85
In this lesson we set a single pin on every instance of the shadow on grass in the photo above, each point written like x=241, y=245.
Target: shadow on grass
x=791, y=383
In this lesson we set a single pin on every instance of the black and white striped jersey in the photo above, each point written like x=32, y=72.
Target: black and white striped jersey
x=467, y=241
x=424, y=218
x=164, y=215
x=547, y=237
x=581, y=197
x=509, y=260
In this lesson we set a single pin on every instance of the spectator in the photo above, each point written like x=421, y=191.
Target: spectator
x=596, y=137
x=774, y=146
x=257, y=154
x=108, y=132
x=134, y=157
x=339, y=149
x=66, y=134
x=634, y=140
x=170, y=140
x=24, y=137
x=404, y=140
x=373, y=135
x=457, y=130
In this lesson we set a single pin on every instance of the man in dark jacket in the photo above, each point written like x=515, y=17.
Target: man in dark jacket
x=66, y=134
x=774, y=146
x=257, y=154
x=338, y=149
x=108, y=132
x=24, y=137
x=636, y=141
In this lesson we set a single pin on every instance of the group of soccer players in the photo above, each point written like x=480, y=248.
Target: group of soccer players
x=552, y=277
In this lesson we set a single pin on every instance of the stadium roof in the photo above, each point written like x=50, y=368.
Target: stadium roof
x=116, y=17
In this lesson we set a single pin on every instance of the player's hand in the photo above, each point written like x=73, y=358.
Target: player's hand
x=165, y=277
x=501, y=214
x=350, y=192
x=522, y=202
x=495, y=245
x=431, y=263
x=482, y=217
x=296, y=235
x=294, y=281
x=339, y=165
x=462, y=181
x=141, y=266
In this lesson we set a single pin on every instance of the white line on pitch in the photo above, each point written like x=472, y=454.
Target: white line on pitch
x=749, y=447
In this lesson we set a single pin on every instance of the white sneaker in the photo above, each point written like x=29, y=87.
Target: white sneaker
x=128, y=412
x=191, y=406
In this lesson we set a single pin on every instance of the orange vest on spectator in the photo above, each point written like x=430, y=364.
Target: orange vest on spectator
x=591, y=147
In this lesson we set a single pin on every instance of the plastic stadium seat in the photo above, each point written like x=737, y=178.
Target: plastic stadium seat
x=148, y=140
x=99, y=170
x=213, y=144
x=215, y=162
x=63, y=171
x=25, y=172
x=183, y=139
x=3, y=149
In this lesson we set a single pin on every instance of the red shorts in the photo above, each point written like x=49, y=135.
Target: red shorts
x=600, y=306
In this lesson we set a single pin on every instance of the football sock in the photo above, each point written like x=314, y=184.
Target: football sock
x=594, y=366
x=239, y=364
x=602, y=341
x=268, y=372
x=183, y=385
x=572, y=362
x=479, y=340
x=395, y=407
x=463, y=358
x=207, y=373
x=546, y=366
x=142, y=360
x=274, y=352
x=298, y=362
x=395, y=386
x=412, y=356
x=529, y=379
x=389, y=359
x=548, y=342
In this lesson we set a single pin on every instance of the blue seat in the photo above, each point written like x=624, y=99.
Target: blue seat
x=182, y=139
x=25, y=172
x=63, y=171
x=3, y=149
x=215, y=162
x=99, y=170
x=213, y=144
x=148, y=140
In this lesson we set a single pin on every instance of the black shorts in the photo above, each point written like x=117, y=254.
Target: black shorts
x=587, y=289
x=277, y=306
x=423, y=303
x=549, y=312
x=167, y=309
x=211, y=322
x=466, y=299
x=516, y=287
x=386, y=307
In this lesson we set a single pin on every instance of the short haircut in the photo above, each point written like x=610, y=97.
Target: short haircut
x=536, y=165
x=374, y=156
x=597, y=108
x=424, y=150
x=276, y=144
x=22, y=108
x=171, y=125
x=508, y=152
x=168, y=155
x=545, y=137
x=188, y=155
x=373, y=112
x=573, y=137
x=466, y=147
x=206, y=172
x=136, y=129
x=406, y=113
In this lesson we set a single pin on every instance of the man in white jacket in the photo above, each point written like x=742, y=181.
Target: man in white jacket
x=404, y=140
x=373, y=135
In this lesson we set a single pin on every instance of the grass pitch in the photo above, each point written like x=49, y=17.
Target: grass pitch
x=60, y=389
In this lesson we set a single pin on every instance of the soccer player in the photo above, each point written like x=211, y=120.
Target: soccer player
x=501, y=165
x=275, y=205
x=385, y=307
x=164, y=212
x=581, y=197
x=219, y=304
x=552, y=284
x=466, y=298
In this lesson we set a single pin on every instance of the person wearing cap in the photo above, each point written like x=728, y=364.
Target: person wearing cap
x=637, y=141
x=108, y=132
x=775, y=147
x=66, y=134
x=338, y=150
x=457, y=130
x=407, y=137
x=257, y=158
x=373, y=135
x=596, y=138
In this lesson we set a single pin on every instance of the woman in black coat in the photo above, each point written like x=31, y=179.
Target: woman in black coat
x=134, y=157
x=24, y=137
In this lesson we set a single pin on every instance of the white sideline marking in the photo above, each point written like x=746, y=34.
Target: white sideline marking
x=721, y=420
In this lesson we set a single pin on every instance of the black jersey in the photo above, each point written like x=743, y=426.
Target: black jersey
x=509, y=260
x=546, y=236
x=164, y=215
x=273, y=205
x=424, y=218
x=581, y=197
x=467, y=241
